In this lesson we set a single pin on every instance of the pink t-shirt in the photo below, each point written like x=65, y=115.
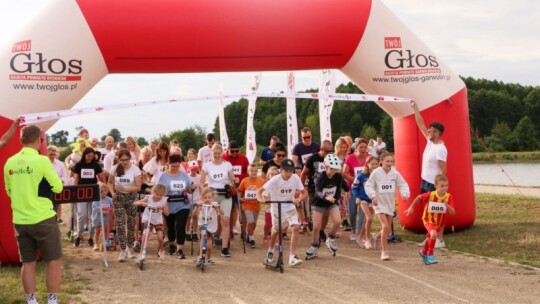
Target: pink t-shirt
x=355, y=167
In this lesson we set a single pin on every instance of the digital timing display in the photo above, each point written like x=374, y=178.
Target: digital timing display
x=79, y=193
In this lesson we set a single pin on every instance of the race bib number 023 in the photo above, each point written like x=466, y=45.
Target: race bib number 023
x=435, y=207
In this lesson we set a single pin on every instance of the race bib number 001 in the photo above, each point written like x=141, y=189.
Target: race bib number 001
x=178, y=185
x=250, y=194
x=386, y=188
x=435, y=207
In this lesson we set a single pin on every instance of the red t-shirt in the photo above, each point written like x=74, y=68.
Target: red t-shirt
x=355, y=167
x=436, y=219
x=240, y=165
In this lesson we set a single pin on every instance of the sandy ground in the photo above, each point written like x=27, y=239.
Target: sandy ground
x=527, y=191
x=354, y=276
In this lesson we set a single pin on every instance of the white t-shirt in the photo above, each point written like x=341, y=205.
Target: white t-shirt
x=430, y=166
x=209, y=213
x=157, y=217
x=128, y=179
x=154, y=168
x=60, y=169
x=379, y=147
x=108, y=161
x=205, y=154
x=104, y=152
x=281, y=190
x=217, y=176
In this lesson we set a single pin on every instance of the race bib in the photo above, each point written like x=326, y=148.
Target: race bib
x=105, y=209
x=219, y=176
x=178, y=185
x=237, y=170
x=319, y=167
x=87, y=173
x=124, y=180
x=305, y=157
x=286, y=193
x=387, y=188
x=358, y=170
x=329, y=191
x=435, y=207
x=250, y=194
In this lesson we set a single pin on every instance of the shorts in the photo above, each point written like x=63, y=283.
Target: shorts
x=324, y=209
x=96, y=218
x=251, y=216
x=225, y=204
x=369, y=204
x=290, y=218
x=426, y=187
x=43, y=236
x=157, y=227
x=430, y=226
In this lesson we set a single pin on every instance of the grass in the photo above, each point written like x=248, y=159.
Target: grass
x=532, y=156
x=11, y=290
x=507, y=228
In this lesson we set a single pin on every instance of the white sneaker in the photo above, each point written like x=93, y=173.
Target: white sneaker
x=269, y=257
x=130, y=253
x=161, y=255
x=122, y=256
x=353, y=237
x=421, y=244
x=385, y=256
x=294, y=261
x=368, y=244
x=96, y=247
x=440, y=244
x=360, y=243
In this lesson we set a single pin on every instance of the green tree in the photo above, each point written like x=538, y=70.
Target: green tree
x=526, y=135
x=142, y=142
x=387, y=131
x=115, y=133
x=501, y=139
x=59, y=138
x=312, y=122
x=368, y=132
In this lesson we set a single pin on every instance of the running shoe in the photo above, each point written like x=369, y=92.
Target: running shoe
x=122, y=255
x=367, y=244
x=424, y=257
x=161, y=255
x=130, y=253
x=96, y=247
x=361, y=243
x=353, y=236
x=251, y=243
x=77, y=241
x=225, y=253
x=294, y=261
x=210, y=261
x=180, y=254
x=269, y=256
x=195, y=237
x=172, y=249
x=440, y=244
x=385, y=256
x=431, y=259
x=188, y=237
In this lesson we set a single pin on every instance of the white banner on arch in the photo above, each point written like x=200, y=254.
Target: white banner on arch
x=327, y=87
x=222, y=128
x=292, y=124
x=251, y=142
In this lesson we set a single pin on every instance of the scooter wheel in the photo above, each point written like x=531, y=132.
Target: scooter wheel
x=281, y=268
x=141, y=264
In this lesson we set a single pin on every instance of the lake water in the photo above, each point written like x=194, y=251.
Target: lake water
x=523, y=174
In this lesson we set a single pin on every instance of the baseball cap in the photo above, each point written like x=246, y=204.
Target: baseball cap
x=287, y=164
x=193, y=164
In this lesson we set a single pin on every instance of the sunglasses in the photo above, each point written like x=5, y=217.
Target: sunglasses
x=234, y=151
x=306, y=137
x=280, y=155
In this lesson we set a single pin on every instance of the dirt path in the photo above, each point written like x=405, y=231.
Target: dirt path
x=527, y=191
x=354, y=275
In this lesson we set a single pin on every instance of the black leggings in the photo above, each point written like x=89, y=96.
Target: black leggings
x=176, y=226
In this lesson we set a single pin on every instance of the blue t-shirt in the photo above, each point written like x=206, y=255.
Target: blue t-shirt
x=267, y=154
x=358, y=189
x=175, y=186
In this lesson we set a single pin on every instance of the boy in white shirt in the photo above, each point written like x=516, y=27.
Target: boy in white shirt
x=282, y=188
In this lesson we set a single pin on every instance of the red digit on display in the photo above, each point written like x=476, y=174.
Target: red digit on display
x=80, y=193
x=90, y=192
x=66, y=194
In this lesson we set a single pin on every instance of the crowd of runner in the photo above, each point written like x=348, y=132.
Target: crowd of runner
x=323, y=189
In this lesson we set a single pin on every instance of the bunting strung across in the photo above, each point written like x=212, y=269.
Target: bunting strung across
x=292, y=125
x=251, y=143
x=327, y=86
x=222, y=127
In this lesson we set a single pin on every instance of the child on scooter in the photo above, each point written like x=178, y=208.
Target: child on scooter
x=208, y=211
x=105, y=204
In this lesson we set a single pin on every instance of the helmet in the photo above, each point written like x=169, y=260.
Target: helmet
x=332, y=161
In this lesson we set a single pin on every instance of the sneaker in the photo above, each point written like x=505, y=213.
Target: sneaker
x=77, y=241
x=385, y=256
x=217, y=241
x=96, y=247
x=440, y=244
x=367, y=244
x=269, y=257
x=294, y=261
x=235, y=231
x=188, y=237
x=266, y=241
x=431, y=259
x=180, y=254
x=421, y=244
x=172, y=249
x=210, y=261
x=195, y=237
x=251, y=243
x=161, y=255
x=331, y=243
x=285, y=237
x=131, y=253
x=137, y=246
x=424, y=257
x=353, y=237
x=361, y=243
x=122, y=256
x=225, y=253
x=198, y=261
x=90, y=242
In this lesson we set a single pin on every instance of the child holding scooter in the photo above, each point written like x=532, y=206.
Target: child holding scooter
x=105, y=204
x=208, y=211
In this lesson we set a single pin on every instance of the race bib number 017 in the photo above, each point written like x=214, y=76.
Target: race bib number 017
x=218, y=176
x=435, y=207
x=386, y=188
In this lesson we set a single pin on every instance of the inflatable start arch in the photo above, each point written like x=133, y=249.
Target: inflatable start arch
x=60, y=56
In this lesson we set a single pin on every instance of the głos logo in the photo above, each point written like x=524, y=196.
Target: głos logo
x=405, y=61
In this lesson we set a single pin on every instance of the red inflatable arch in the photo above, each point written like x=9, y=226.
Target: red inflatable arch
x=73, y=44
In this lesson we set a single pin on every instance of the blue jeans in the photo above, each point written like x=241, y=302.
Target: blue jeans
x=353, y=211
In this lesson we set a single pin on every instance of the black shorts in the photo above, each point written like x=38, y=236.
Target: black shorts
x=43, y=236
x=426, y=187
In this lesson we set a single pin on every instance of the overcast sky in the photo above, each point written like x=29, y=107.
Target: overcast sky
x=491, y=39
